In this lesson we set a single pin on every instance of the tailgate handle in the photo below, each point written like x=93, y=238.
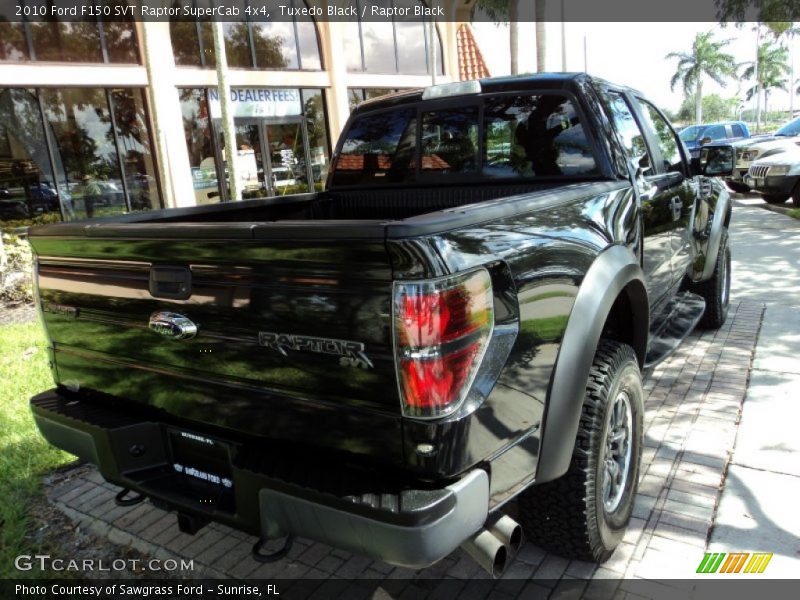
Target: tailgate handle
x=171, y=282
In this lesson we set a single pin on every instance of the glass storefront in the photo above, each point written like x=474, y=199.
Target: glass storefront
x=250, y=44
x=67, y=42
x=281, y=142
x=75, y=153
x=395, y=46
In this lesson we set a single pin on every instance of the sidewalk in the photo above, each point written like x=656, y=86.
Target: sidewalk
x=758, y=510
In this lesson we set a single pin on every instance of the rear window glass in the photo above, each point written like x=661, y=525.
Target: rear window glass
x=450, y=141
x=535, y=136
x=520, y=136
x=378, y=147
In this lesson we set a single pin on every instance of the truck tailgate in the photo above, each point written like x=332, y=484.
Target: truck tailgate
x=293, y=336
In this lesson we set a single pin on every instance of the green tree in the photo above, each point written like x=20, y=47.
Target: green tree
x=772, y=71
x=769, y=11
x=715, y=108
x=707, y=58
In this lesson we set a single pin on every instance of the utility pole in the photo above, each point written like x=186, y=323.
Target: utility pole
x=585, y=60
x=224, y=91
x=563, y=39
x=755, y=72
x=432, y=48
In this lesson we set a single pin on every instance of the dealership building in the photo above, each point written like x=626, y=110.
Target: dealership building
x=98, y=118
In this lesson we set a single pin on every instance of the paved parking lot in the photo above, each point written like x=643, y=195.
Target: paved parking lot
x=694, y=402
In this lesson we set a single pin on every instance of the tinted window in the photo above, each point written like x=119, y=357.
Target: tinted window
x=717, y=132
x=737, y=130
x=378, y=148
x=450, y=141
x=691, y=133
x=630, y=132
x=791, y=128
x=665, y=136
x=535, y=136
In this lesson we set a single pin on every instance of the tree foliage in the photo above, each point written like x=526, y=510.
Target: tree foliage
x=715, y=108
x=767, y=11
x=707, y=58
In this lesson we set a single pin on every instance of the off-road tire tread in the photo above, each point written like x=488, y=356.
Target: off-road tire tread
x=559, y=515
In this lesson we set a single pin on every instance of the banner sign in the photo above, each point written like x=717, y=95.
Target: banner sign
x=258, y=102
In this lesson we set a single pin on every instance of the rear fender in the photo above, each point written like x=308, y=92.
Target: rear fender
x=615, y=271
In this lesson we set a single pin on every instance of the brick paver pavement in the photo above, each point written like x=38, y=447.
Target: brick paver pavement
x=693, y=405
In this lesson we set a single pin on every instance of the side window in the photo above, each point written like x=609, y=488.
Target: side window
x=535, y=136
x=449, y=141
x=716, y=133
x=630, y=132
x=737, y=130
x=665, y=136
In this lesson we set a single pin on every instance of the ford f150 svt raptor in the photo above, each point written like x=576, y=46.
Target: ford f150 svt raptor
x=459, y=320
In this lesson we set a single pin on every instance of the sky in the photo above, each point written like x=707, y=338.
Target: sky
x=629, y=54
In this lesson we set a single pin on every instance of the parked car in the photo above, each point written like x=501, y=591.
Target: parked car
x=696, y=136
x=777, y=177
x=758, y=147
x=13, y=209
x=383, y=365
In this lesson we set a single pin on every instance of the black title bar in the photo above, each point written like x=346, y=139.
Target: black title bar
x=398, y=10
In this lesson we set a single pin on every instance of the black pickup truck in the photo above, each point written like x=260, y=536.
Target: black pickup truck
x=461, y=319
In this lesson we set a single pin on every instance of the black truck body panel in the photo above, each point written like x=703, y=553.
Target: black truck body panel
x=568, y=260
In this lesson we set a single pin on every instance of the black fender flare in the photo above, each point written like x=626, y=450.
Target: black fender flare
x=615, y=271
x=722, y=211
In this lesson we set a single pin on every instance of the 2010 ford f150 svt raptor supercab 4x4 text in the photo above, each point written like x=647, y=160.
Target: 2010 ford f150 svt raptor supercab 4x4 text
x=459, y=320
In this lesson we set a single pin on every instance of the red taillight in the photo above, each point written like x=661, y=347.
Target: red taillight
x=442, y=328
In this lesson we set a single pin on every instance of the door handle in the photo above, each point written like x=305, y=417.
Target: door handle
x=170, y=282
x=676, y=204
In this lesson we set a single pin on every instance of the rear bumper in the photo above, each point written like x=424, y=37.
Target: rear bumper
x=407, y=525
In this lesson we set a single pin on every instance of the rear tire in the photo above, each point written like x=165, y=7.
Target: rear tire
x=717, y=290
x=770, y=199
x=796, y=196
x=583, y=514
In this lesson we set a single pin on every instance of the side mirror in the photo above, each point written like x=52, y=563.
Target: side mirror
x=705, y=140
x=716, y=161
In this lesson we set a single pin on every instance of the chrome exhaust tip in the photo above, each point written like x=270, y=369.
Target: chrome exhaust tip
x=488, y=551
x=509, y=532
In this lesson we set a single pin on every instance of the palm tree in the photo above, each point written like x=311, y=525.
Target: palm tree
x=788, y=31
x=706, y=59
x=772, y=71
x=508, y=10
x=541, y=42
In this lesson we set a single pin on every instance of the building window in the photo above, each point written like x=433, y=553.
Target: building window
x=271, y=45
x=358, y=95
x=70, y=42
x=200, y=144
x=394, y=46
x=75, y=152
x=314, y=111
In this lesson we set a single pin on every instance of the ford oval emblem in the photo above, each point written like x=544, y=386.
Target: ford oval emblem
x=172, y=325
